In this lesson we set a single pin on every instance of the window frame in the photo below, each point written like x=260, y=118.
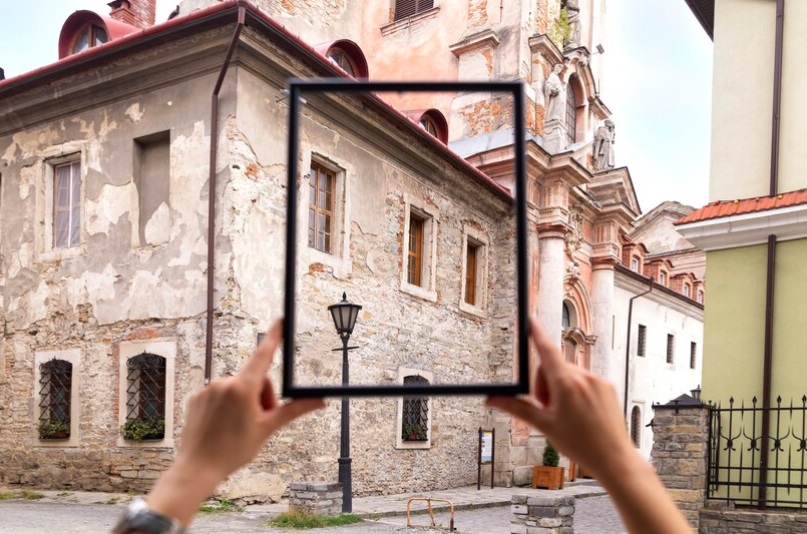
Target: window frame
x=91, y=31
x=430, y=216
x=687, y=290
x=165, y=348
x=662, y=278
x=641, y=341
x=46, y=181
x=570, y=128
x=473, y=236
x=670, y=357
x=73, y=357
x=635, y=264
x=400, y=443
x=328, y=211
x=636, y=426
x=693, y=355
x=73, y=205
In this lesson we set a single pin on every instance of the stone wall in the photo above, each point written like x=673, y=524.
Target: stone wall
x=720, y=521
x=542, y=515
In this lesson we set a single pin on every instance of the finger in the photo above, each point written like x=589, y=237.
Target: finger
x=256, y=367
x=268, y=398
x=542, y=391
x=524, y=410
x=288, y=412
x=551, y=360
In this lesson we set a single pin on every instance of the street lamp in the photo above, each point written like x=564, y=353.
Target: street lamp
x=344, y=315
x=696, y=393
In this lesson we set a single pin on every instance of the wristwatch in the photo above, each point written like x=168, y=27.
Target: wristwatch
x=138, y=517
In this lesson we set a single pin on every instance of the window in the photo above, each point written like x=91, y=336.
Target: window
x=571, y=113
x=414, y=426
x=687, y=290
x=320, y=208
x=418, y=272
x=662, y=278
x=641, y=345
x=693, y=355
x=427, y=123
x=700, y=296
x=91, y=36
x=414, y=413
x=55, y=393
x=145, y=392
x=670, y=348
x=152, y=178
x=566, y=320
x=407, y=8
x=343, y=60
x=636, y=426
x=634, y=264
x=414, y=260
x=471, y=251
x=66, y=204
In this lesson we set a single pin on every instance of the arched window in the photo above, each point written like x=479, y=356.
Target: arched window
x=145, y=404
x=435, y=123
x=92, y=35
x=427, y=123
x=571, y=111
x=343, y=59
x=55, y=386
x=636, y=426
x=566, y=320
x=415, y=417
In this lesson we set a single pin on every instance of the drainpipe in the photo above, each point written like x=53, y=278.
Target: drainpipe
x=767, y=368
x=211, y=211
x=627, y=344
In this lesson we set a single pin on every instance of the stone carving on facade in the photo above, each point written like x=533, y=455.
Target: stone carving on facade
x=555, y=96
x=573, y=13
x=574, y=237
x=604, y=141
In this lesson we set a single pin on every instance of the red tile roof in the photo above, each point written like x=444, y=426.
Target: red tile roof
x=727, y=208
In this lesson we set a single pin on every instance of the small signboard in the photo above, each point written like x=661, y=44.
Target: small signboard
x=486, y=454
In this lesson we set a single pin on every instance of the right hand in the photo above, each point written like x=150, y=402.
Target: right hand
x=578, y=412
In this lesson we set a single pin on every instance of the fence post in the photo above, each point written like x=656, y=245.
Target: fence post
x=680, y=447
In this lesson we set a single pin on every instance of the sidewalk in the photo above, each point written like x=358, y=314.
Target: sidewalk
x=464, y=498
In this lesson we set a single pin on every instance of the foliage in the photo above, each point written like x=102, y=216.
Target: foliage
x=303, y=520
x=31, y=495
x=54, y=430
x=141, y=429
x=6, y=495
x=220, y=507
x=411, y=432
x=561, y=29
x=551, y=456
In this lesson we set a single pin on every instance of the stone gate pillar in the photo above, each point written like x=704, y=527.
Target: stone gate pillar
x=680, y=441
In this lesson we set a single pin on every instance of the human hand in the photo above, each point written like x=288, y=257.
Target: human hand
x=577, y=411
x=227, y=424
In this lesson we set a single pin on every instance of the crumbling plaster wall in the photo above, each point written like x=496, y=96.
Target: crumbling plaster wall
x=108, y=290
x=394, y=329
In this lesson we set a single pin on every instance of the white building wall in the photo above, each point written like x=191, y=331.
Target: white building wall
x=651, y=379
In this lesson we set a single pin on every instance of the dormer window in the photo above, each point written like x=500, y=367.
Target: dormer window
x=89, y=37
x=433, y=122
x=346, y=55
x=634, y=264
x=662, y=278
x=342, y=59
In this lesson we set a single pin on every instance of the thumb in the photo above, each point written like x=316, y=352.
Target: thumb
x=285, y=414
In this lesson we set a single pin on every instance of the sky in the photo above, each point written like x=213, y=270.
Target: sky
x=657, y=82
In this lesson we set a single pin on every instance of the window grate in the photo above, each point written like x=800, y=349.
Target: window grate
x=415, y=420
x=670, y=348
x=693, y=354
x=641, y=348
x=636, y=426
x=145, y=389
x=55, y=386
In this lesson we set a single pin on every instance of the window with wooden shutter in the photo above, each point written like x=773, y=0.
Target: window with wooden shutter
x=471, y=254
x=322, y=185
x=414, y=269
x=407, y=8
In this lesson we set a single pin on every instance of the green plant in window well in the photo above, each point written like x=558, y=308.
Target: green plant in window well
x=143, y=429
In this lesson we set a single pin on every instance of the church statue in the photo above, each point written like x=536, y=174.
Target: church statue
x=555, y=96
x=573, y=14
x=604, y=141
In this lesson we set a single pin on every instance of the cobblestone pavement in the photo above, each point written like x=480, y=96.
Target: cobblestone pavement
x=594, y=515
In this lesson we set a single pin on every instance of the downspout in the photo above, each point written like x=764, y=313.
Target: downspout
x=211, y=211
x=627, y=344
x=767, y=366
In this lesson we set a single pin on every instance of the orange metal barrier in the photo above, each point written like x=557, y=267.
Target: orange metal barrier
x=431, y=512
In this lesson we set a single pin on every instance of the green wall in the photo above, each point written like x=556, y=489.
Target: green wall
x=790, y=321
x=734, y=323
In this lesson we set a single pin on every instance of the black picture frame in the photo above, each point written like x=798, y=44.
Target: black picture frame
x=297, y=88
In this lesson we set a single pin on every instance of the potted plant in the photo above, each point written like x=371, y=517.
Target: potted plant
x=413, y=433
x=54, y=430
x=548, y=475
x=144, y=429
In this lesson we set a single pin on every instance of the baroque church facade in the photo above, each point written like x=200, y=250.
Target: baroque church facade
x=138, y=224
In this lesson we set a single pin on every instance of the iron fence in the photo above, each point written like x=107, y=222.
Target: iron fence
x=737, y=470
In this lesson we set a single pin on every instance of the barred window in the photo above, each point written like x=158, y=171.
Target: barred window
x=693, y=354
x=55, y=385
x=415, y=420
x=145, y=404
x=670, y=348
x=636, y=426
x=642, y=342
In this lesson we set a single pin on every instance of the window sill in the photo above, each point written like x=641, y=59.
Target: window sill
x=420, y=292
x=473, y=310
x=165, y=443
x=339, y=265
x=69, y=443
x=58, y=254
x=395, y=26
x=413, y=445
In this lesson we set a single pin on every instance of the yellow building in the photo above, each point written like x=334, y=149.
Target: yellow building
x=754, y=231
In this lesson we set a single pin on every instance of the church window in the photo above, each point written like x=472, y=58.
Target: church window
x=571, y=112
x=407, y=8
x=566, y=321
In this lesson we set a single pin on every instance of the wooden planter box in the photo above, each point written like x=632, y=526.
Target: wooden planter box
x=547, y=477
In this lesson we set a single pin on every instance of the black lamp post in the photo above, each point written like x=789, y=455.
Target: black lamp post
x=696, y=393
x=344, y=315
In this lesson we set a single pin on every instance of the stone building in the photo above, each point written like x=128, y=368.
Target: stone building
x=138, y=260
